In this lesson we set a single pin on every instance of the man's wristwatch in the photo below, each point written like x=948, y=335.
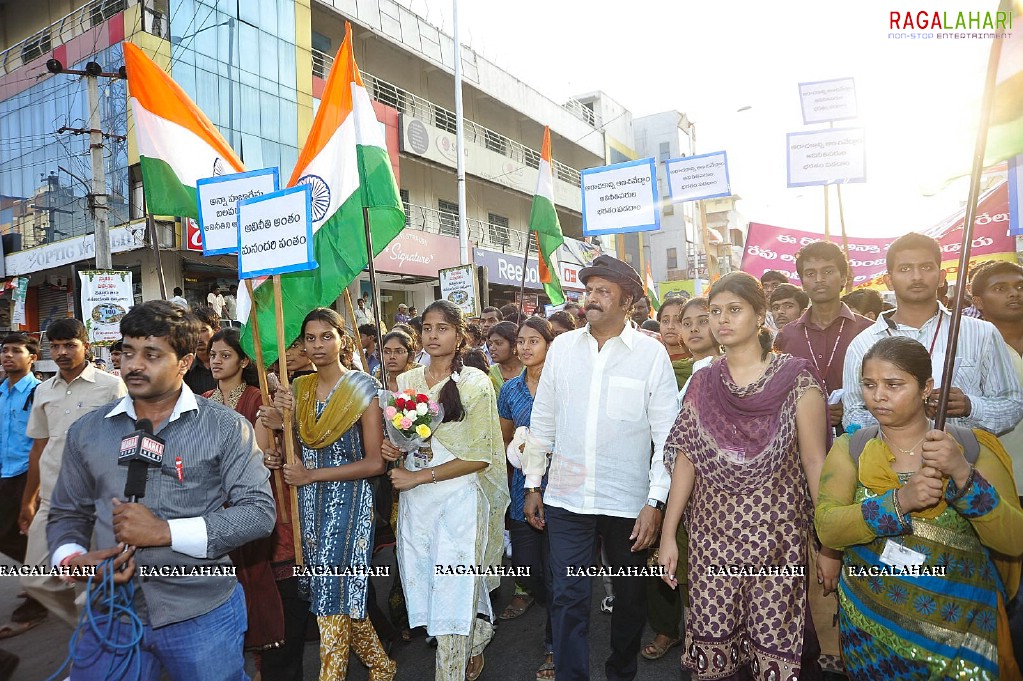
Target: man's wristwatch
x=656, y=505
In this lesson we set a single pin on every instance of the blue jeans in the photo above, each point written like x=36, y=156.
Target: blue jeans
x=204, y=648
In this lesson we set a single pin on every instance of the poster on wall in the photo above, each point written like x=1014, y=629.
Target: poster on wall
x=107, y=295
x=20, y=294
x=458, y=285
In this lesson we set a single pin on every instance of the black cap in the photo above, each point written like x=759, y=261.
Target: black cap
x=612, y=269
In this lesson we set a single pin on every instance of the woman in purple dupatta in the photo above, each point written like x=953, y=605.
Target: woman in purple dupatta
x=745, y=455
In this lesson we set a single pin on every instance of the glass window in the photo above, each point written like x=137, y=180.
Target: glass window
x=268, y=61
x=672, y=258
x=286, y=66
x=268, y=15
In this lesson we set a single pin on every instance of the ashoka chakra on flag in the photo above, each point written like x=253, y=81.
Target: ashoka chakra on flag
x=321, y=195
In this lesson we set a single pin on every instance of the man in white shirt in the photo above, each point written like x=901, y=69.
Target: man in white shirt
x=215, y=299
x=361, y=314
x=985, y=390
x=606, y=394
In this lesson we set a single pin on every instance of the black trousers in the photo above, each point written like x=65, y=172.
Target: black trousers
x=285, y=663
x=530, y=549
x=12, y=541
x=573, y=545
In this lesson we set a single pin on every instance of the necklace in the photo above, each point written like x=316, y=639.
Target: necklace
x=434, y=376
x=831, y=357
x=904, y=451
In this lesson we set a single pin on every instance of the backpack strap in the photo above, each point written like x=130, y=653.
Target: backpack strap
x=859, y=440
x=30, y=399
x=964, y=436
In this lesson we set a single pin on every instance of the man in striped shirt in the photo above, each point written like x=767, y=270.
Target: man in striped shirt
x=985, y=390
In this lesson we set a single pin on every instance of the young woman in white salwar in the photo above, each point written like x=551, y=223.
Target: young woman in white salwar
x=454, y=494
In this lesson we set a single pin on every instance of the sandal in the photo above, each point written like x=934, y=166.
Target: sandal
x=546, y=670
x=512, y=611
x=654, y=651
x=12, y=629
x=471, y=671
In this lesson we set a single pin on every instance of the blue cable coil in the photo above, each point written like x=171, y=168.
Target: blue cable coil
x=110, y=615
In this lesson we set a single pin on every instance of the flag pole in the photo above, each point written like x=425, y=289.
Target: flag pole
x=289, y=428
x=845, y=237
x=525, y=270
x=964, y=250
x=264, y=387
x=355, y=330
x=376, y=293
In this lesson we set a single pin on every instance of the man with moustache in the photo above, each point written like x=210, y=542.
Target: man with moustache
x=210, y=495
x=77, y=389
x=985, y=390
x=787, y=304
x=606, y=393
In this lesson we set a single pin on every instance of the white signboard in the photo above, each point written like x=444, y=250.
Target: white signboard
x=826, y=157
x=107, y=295
x=458, y=285
x=698, y=177
x=218, y=196
x=68, y=251
x=828, y=100
x=275, y=233
x=621, y=198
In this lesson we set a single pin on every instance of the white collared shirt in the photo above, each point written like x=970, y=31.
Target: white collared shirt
x=983, y=370
x=602, y=413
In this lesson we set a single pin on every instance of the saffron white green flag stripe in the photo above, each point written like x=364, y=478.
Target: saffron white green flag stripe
x=1005, y=130
x=177, y=143
x=543, y=219
x=651, y=289
x=345, y=162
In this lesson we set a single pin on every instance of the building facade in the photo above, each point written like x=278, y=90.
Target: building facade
x=257, y=68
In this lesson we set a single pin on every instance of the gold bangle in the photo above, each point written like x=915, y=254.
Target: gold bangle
x=434, y=476
x=534, y=490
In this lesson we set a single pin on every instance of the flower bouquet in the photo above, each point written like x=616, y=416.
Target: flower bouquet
x=410, y=419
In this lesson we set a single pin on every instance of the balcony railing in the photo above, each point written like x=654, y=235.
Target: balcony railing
x=425, y=110
x=583, y=113
x=483, y=234
x=76, y=23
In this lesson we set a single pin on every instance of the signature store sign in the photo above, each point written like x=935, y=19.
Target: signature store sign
x=416, y=253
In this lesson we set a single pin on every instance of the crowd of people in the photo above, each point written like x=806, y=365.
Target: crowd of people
x=755, y=474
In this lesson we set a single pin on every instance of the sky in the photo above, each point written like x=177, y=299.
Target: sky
x=918, y=98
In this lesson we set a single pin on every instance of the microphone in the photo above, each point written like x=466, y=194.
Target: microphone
x=139, y=450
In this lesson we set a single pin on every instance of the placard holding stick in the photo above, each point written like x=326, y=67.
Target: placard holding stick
x=264, y=386
x=274, y=237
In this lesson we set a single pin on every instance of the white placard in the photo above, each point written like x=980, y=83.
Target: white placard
x=107, y=295
x=217, y=196
x=826, y=157
x=621, y=198
x=828, y=100
x=275, y=233
x=698, y=177
x=458, y=285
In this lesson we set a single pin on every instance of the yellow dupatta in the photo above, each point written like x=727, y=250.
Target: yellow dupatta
x=346, y=405
x=876, y=474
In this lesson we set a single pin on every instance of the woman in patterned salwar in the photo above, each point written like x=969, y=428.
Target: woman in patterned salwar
x=745, y=454
x=236, y=380
x=454, y=493
x=340, y=427
x=913, y=498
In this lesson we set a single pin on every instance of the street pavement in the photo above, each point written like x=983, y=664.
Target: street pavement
x=515, y=653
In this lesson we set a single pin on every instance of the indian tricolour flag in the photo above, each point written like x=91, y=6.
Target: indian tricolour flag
x=543, y=219
x=345, y=162
x=177, y=144
x=651, y=289
x=1005, y=129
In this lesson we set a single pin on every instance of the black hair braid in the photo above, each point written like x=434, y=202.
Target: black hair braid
x=449, y=397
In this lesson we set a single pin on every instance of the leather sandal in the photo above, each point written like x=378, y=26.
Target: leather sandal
x=656, y=651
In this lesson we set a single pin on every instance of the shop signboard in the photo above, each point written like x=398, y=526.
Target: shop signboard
x=417, y=253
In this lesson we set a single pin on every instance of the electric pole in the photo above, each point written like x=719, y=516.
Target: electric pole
x=98, y=193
